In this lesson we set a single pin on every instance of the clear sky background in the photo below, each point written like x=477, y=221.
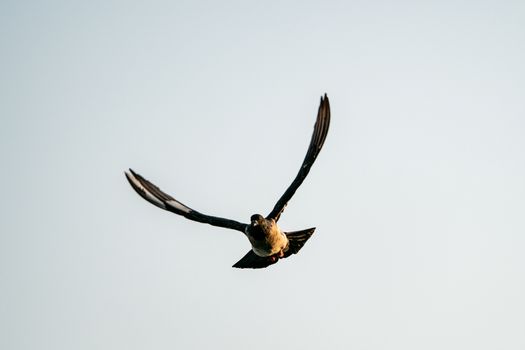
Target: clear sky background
x=418, y=195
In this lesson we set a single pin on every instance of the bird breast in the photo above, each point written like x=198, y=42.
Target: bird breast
x=271, y=242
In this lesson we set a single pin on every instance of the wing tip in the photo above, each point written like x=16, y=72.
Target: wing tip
x=130, y=174
x=324, y=106
x=325, y=101
x=135, y=181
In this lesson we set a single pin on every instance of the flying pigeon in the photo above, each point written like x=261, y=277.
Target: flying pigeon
x=269, y=242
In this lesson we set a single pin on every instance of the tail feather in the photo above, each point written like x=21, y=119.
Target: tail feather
x=297, y=239
x=253, y=261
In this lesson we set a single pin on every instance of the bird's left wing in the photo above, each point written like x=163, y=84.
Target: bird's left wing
x=155, y=196
x=316, y=143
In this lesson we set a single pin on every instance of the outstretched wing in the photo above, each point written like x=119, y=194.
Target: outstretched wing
x=319, y=135
x=155, y=196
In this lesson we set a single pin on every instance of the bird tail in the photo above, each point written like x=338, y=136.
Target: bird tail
x=297, y=239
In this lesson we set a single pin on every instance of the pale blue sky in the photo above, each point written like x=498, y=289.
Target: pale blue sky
x=418, y=196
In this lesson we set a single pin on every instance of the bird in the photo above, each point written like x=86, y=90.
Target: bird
x=268, y=241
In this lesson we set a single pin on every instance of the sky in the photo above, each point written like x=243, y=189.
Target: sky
x=418, y=195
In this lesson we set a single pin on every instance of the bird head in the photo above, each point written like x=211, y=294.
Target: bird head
x=256, y=219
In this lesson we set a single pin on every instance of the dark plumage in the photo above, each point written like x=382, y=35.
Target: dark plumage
x=269, y=242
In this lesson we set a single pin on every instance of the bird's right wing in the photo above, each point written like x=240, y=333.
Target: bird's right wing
x=155, y=196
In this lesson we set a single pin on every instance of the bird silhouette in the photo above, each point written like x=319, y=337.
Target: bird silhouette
x=269, y=242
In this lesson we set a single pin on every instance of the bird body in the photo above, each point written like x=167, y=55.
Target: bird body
x=269, y=243
x=266, y=237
